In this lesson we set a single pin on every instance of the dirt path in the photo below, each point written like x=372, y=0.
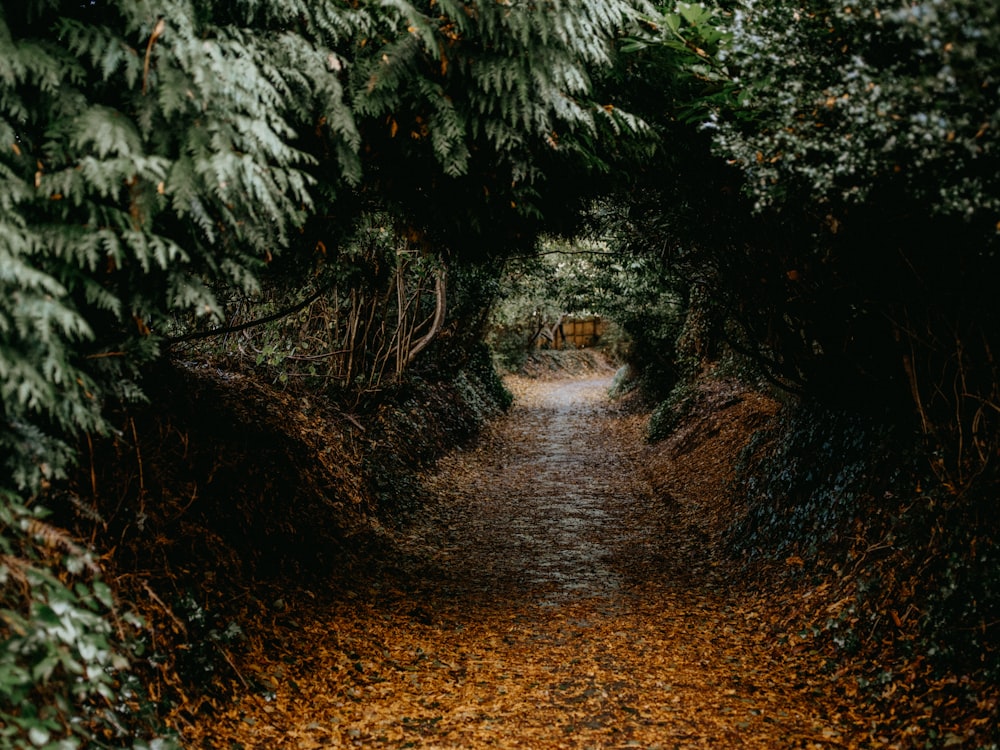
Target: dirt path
x=545, y=600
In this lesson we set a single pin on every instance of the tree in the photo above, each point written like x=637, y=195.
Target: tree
x=873, y=128
x=146, y=159
x=480, y=119
x=675, y=223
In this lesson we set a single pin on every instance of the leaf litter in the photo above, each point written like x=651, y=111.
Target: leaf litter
x=564, y=587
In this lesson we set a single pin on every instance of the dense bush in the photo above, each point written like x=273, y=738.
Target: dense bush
x=813, y=481
x=874, y=129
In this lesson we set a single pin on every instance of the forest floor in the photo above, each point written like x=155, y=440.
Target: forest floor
x=565, y=588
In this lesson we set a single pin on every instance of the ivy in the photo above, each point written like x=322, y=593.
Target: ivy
x=64, y=648
x=843, y=102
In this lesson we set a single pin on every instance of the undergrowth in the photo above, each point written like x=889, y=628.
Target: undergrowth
x=672, y=411
x=427, y=416
x=68, y=650
x=849, y=505
x=808, y=477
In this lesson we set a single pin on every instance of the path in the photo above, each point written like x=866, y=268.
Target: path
x=546, y=600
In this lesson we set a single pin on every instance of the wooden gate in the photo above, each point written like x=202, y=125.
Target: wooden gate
x=571, y=333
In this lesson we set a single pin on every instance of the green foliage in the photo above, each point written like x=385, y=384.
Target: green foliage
x=648, y=301
x=864, y=139
x=146, y=155
x=205, y=641
x=824, y=204
x=64, y=647
x=960, y=580
x=685, y=42
x=846, y=103
x=156, y=158
x=869, y=132
x=812, y=482
x=848, y=494
x=676, y=221
x=563, y=279
x=489, y=393
x=480, y=120
x=672, y=411
x=641, y=299
x=141, y=160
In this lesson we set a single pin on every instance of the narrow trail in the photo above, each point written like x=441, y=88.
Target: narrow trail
x=546, y=599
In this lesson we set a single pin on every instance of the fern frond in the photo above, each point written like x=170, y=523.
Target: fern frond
x=106, y=50
x=104, y=132
x=185, y=292
x=152, y=251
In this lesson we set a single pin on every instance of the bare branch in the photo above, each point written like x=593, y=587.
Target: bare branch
x=439, y=313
